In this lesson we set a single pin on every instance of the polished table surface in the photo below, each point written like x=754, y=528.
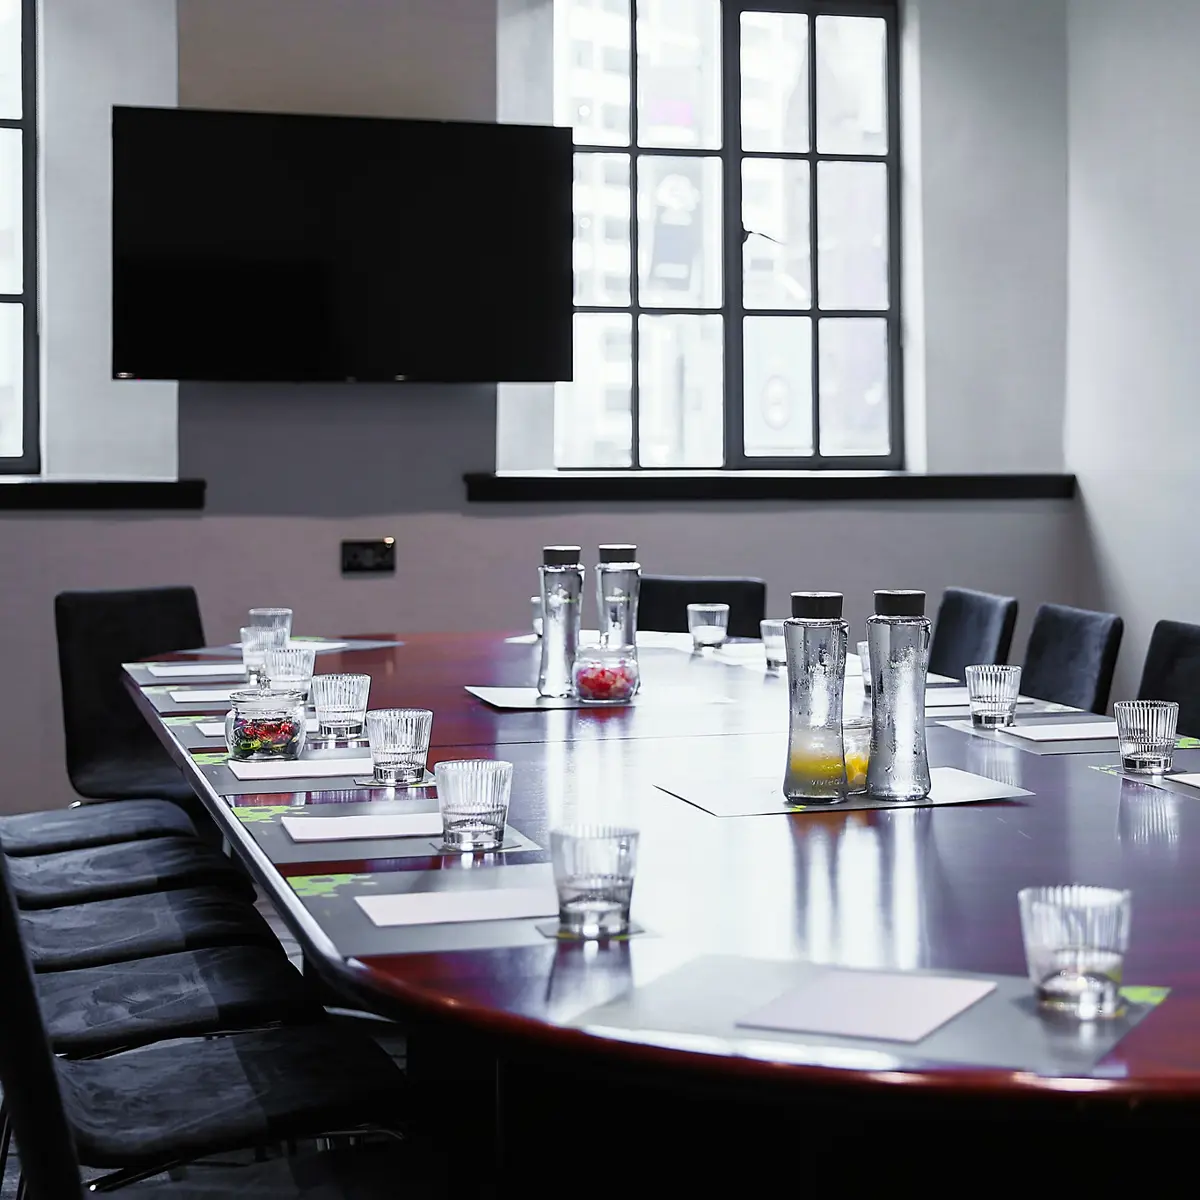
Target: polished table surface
x=913, y=888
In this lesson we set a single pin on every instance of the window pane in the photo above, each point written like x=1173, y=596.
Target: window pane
x=851, y=85
x=680, y=397
x=775, y=213
x=601, y=251
x=854, y=386
x=774, y=81
x=12, y=347
x=679, y=231
x=10, y=59
x=777, y=386
x=852, y=246
x=592, y=422
x=679, y=73
x=591, y=90
x=11, y=225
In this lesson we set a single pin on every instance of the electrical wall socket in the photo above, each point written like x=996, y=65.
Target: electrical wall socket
x=376, y=556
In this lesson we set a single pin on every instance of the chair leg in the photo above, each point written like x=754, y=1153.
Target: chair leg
x=21, y=1189
x=5, y=1139
x=129, y=1175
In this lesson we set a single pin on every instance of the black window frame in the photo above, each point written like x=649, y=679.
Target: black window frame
x=29, y=462
x=732, y=310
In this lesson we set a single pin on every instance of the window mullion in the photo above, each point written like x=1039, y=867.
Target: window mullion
x=635, y=407
x=814, y=276
x=733, y=399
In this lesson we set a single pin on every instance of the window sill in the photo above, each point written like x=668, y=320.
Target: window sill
x=29, y=493
x=487, y=487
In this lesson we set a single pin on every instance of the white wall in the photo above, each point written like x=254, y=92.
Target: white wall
x=95, y=55
x=1132, y=432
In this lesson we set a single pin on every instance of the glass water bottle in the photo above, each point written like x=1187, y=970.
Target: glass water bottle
x=815, y=639
x=562, y=591
x=898, y=636
x=618, y=582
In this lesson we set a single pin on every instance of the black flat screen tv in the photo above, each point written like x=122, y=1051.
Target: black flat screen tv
x=262, y=247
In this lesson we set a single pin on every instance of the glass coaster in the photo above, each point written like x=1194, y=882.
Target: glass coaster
x=551, y=929
x=455, y=851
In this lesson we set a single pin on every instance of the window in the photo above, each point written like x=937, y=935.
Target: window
x=737, y=279
x=18, y=245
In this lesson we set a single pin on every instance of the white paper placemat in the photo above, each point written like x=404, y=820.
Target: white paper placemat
x=201, y=695
x=217, y=728
x=477, y=904
x=1190, y=780
x=886, y=1005
x=1084, y=731
x=194, y=670
x=320, y=645
x=338, y=829
x=957, y=697
x=303, y=768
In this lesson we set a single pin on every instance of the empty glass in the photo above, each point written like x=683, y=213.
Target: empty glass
x=1146, y=733
x=256, y=641
x=992, y=691
x=341, y=704
x=772, y=640
x=399, y=739
x=593, y=872
x=708, y=624
x=291, y=668
x=535, y=604
x=1075, y=943
x=864, y=656
x=473, y=800
x=273, y=618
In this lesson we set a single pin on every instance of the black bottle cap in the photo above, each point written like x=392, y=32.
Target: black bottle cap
x=561, y=556
x=900, y=604
x=618, y=552
x=817, y=606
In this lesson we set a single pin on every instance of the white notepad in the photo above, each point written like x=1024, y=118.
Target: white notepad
x=956, y=697
x=889, y=1006
x=194, y=670
x=338, y=829
x=1081, y=732
x=304, y=768
x=201, y=695
x=1192, y=780
x=442, y=908
x=217, y=728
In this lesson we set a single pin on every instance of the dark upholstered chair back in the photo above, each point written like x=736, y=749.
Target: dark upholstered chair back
x=972, y=628
x=97, y=632
x=27, y=1072
x=664, y=600
x=1071, y=656
x=1172, y=671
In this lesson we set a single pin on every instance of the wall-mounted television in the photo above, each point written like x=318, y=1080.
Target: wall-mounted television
x=264, y=247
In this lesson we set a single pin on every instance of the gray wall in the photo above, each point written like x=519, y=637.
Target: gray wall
x=1134, y=361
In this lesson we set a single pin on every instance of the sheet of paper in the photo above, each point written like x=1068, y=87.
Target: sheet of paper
x=200, y=695
x=1082, y=732
x=320, y=645
x=952, y=786
x=195, y=670
x=885, y=1005
x=955, y=697
x=1192, y=780
x=217, y=728
x=477, y=904
x=338, y=829
x=305, y=768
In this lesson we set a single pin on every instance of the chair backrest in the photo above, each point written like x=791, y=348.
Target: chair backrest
x=1172, y=671
x=972, y=628
x=97, y=632
x=1071, y=656
x=27, y=1072
x=663, y=601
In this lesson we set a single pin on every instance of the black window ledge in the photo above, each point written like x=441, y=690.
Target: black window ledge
x=499, y=487
x=31, y=494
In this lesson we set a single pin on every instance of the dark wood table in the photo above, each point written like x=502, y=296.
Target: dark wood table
x=917, y=888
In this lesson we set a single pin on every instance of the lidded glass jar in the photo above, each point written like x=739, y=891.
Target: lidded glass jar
x=265, y=725
x=606, y=674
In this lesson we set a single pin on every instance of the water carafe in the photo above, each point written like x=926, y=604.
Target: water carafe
x=562, y=592
x=618, y=582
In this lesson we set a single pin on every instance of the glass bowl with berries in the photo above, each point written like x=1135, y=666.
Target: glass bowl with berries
x=606, y=674
x=265, y=724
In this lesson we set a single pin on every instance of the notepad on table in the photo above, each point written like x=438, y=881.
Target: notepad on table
x=955, y=697
x=194, y=670
x=1081, y=732
x=201, y=695
x=366, y=825
x=443, y=908
x=304, y=768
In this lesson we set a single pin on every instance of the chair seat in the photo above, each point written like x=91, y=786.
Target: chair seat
x=107, y=931
x=126, y=869
x=98, y=1010
x=92, y=825
x=127, y=778
x=191, y=1099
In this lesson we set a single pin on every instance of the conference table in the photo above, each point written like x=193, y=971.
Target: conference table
x=728, y=907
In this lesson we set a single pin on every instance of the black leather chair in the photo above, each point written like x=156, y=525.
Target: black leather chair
x=972, y=628
x=1172, y=671
x=662, y=606
x=1071, y=656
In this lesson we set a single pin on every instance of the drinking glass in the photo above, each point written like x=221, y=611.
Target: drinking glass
x=399, y=739
x=1146, y=733
x=291, y=668
x=341, y=704
x=273, y=618
x=708, y=624
x=593, y=872
x=772, y=639
x=256, y=641
x=856, y=748
x=864, y=656
x=535, y=604
x=473, y=799
x=992, y=692
x=1075, y=943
